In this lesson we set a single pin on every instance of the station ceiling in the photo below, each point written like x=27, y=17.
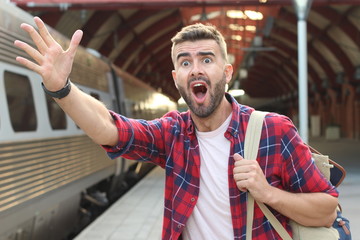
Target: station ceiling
x=135, y=35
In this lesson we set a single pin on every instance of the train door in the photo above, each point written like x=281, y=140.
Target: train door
x=116, y=90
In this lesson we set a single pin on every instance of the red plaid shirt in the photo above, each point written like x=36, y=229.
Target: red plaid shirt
x=171, y=143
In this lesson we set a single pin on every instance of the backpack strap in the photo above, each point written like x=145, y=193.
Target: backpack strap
x=251, y=148
x=252, y=136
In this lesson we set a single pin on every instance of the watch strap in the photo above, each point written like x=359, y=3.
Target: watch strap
x=61, y=93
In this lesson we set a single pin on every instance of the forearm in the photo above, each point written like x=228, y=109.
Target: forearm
x=90, y=115
x=308, y=209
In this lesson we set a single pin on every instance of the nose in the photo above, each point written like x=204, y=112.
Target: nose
x=196, y=69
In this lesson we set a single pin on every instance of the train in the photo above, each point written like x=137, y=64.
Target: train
x=54, y=180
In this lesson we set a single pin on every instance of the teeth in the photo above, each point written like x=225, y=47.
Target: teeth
x=198, y=85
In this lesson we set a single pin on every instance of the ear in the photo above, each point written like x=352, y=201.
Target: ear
x=173, y=73
x=228, y=72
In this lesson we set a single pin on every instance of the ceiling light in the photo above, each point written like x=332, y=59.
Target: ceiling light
x=235, y=14
x=243, y=73
x=195, y=17
x=236, y=37
x=250, y=28
x=210, y=15
x=237, y=92
x=231, y=58
x=254, y=15
x=236, y=27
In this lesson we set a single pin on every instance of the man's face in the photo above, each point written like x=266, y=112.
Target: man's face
x=200, y=75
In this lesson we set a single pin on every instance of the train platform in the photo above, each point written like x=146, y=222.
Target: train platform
x=138, y=214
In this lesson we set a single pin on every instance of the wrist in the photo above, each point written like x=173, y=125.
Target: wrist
x=60, y=93
x=272, y=195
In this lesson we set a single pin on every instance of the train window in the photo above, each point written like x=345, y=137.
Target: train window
x=56, y=114
x=20, y=102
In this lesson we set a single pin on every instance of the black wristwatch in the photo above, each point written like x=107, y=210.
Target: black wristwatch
x=61, y=93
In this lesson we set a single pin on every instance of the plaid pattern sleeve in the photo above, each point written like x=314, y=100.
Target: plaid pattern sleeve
x=296, y=167
x=140, y=140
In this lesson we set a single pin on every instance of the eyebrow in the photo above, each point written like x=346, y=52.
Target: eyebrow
x=186, y=54
x=206, y=54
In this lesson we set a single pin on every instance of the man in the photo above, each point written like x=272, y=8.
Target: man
x=206, y=177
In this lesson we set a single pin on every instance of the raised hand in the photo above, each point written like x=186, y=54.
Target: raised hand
x=52, y=62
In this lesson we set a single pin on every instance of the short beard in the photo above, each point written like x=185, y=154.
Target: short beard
x=215, y=99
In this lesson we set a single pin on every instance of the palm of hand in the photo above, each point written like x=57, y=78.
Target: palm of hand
x=51, y=61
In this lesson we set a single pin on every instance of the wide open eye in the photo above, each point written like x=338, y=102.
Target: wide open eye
x=207, y=60
x=185, y=63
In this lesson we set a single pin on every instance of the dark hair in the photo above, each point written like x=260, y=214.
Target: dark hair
x=199, y=31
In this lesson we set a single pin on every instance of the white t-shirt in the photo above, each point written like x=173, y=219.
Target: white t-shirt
x=211, y=217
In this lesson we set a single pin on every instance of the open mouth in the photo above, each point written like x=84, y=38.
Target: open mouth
x=199, y=90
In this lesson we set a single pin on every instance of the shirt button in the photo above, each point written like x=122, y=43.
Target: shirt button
x=192, y=199
x=179, y=226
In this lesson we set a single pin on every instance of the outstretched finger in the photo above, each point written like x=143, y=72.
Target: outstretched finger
x=75, y=41
x=46, y=36
x=40, y=44
x=30, y=51
x=29, y=64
